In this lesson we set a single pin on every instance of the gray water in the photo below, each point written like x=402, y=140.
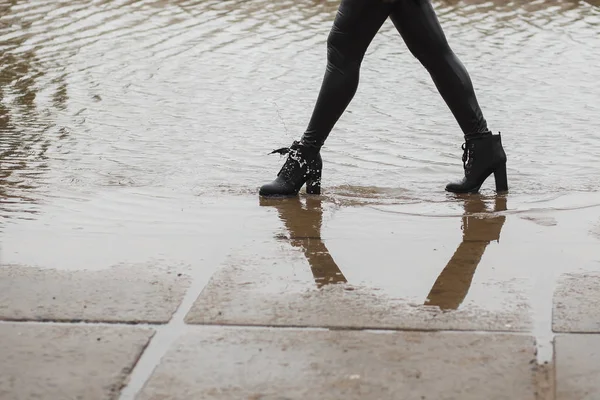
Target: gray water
x=115, y=113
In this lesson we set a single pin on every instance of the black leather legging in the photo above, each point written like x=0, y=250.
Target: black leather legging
x=354, y=28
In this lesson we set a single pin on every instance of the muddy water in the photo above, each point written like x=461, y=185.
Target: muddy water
x=187, y=97
x=138, y=131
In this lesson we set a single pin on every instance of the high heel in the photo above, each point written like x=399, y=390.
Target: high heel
x=313, y=184
x=303, y=165
x=501, y=179
x=482, y=156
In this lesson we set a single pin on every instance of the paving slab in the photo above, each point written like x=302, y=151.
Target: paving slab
x=58, y=362
x=141, y=293
x=577, y=303
x=253, y=363
x=269, y=285
x=577, y=367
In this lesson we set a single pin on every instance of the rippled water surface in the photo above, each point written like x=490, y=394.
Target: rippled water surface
x=122, y=109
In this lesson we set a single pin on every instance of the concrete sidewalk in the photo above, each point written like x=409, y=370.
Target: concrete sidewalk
x=425, y=356
x=281, y=319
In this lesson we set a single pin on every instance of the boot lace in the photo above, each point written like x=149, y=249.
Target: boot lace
x=467, y=157
x=294, y=158
x=285, y=150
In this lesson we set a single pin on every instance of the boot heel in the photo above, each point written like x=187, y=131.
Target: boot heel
x=501, y=179
x=313, y=184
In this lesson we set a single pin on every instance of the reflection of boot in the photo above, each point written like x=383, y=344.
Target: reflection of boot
x=452, y=286
x=304, y=227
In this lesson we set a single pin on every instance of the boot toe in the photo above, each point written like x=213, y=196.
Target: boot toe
x=267, y=190
x=458, y=187
x=453, y=187
x=275, y=188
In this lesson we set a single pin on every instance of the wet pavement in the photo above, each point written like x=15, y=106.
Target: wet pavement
x=342, y=364
x=139, y=263
x=320, y=302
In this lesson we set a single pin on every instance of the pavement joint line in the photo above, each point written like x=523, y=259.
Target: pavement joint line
x=77, y=323
x=553, y=372
x=167, y=334
x=191, y=327
x=361, y=328
x=81, y=322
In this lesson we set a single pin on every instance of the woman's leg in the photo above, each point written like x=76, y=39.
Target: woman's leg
x=418, y=24
x=483, y=152
x=355, y=25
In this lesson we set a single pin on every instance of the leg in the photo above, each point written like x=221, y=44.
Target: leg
x=356, y=24
x=354, y=28
x=483, y=152
x=418, y=24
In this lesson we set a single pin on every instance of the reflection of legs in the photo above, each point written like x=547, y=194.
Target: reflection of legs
x=453, y=283
x=418, y=24
x=452, y=286
x=356, y=24
x=304, y=227
x=324, y=269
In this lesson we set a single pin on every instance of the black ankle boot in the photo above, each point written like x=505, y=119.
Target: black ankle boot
x=482, y=157
x=303, y=165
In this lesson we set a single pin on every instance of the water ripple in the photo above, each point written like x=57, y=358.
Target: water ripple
x=189, y=96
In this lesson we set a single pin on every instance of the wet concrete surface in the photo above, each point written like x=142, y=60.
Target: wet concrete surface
x=383, y=267
x=292, y=279
x=42, y=361
x=131, y=294
x=288, y=364
x=577, y=367
x=577, y=303
x=134, y=134
x=491, y=266
x=233, y=303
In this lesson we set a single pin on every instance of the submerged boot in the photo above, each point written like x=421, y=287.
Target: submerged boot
x=303, y=165
x=482, y=157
